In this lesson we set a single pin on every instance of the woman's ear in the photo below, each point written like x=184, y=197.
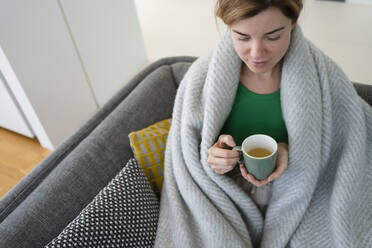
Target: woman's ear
x=293, y=25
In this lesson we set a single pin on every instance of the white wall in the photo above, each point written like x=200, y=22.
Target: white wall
x=178, y=27
x=343, y=32
x=369, y=2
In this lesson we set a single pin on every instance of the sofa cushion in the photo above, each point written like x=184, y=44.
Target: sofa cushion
x=124, y=214
x=148, y=147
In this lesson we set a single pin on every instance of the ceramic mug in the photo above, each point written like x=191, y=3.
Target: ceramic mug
x=259, y=166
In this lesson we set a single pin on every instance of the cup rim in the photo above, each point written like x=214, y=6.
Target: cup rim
x=272, y=154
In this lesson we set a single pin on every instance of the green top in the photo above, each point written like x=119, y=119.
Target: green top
x=254, y=113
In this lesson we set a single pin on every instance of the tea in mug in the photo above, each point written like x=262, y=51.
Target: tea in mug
x=259, y=152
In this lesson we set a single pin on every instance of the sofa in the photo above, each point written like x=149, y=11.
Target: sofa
x=38, y=208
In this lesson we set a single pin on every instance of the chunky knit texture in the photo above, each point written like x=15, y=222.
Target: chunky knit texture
x=324, y=197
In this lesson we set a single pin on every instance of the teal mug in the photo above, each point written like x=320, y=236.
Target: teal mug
x=259, y=154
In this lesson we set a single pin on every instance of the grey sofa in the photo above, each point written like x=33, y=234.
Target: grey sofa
x=53, y=194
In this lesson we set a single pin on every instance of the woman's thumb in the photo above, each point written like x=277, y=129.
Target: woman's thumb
x=228, y=140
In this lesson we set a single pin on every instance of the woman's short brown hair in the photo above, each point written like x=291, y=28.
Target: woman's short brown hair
x=231, y=11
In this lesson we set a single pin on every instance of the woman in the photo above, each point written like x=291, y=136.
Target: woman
x=318, y=195
x=261, y=42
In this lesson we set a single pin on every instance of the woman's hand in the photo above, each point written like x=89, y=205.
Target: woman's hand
x=220, y=157
x=281, y=166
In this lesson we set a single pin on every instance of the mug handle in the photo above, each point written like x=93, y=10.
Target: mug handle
x=238, y=148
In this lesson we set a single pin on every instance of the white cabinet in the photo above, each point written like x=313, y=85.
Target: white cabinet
x=11, y=115
x=68, y=58
x=109, y=40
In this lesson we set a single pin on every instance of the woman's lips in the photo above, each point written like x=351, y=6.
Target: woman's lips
x=259, y=63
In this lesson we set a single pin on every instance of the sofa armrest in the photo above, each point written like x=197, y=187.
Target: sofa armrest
x=54, y=193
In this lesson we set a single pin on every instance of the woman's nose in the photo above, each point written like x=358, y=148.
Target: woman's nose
x=258, y=50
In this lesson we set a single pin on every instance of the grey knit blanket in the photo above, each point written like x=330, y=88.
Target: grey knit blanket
x=324, y=197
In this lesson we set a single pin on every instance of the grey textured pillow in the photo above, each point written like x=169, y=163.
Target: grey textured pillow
x=124, y=214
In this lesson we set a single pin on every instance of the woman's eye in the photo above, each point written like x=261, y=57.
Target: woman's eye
x=243, y=39
x=272, y=38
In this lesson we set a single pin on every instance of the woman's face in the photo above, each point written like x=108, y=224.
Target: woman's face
x=261, y=41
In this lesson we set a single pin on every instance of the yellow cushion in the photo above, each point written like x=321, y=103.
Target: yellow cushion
x=148, y=146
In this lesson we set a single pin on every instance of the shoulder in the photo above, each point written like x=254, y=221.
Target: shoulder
x=197, y=71
x=330, y=72
x=201, y=64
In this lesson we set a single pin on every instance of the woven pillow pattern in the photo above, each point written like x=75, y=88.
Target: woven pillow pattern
x=148, y=146
x=124, y=214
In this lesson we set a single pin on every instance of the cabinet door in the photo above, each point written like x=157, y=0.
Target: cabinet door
x=11, y=116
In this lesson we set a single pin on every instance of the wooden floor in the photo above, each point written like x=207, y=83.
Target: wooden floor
x=18, y=156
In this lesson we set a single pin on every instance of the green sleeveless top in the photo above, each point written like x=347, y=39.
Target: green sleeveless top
x=254, y=113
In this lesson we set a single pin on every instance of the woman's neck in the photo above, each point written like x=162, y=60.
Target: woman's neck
x=272, y=75
x=261, y=83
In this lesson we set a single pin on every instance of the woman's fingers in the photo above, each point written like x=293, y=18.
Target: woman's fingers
x=225, y=141
x=281, y=167
x=251, y=178
x=222, y=165
x=220, y=158
x=221, y=162
x=281, y=162
x=223, y=153
x=222, y=169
